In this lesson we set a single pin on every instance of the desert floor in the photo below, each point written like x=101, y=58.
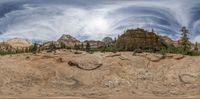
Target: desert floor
x=65, y=74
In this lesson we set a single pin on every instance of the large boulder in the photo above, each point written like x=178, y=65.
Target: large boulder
x=155, y=58
x=87, y=62
x=187, y=78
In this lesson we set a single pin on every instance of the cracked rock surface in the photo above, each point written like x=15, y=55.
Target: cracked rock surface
x=123, y=73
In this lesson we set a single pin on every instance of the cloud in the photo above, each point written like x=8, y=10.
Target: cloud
x=89, y=19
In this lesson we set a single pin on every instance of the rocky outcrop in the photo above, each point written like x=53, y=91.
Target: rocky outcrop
x=87, y=62
x=48, y=45
x=169, y=41
x=68, y=40
x=94, y=44
x=138, y=38
x=18, y=43
x=107, y=40
x=5, y=46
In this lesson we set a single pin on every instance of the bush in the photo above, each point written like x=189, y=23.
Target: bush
x=194, y=53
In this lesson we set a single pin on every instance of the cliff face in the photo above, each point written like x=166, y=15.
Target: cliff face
x=138, y=38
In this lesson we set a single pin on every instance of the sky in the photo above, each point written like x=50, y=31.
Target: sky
x=46, y=20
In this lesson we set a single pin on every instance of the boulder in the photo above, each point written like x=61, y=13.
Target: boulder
x=187, y=78
x=178, y=57
x=87, y=62
x=155, y=57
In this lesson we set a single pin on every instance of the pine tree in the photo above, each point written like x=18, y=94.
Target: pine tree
x=52, y=47
x=76, y=47
x=196, y=47
x=88, y=47
x=63, y=46
x=27, y=50
x=33, y=48
x=115, y=40
x=185, y=40
x=82, y=46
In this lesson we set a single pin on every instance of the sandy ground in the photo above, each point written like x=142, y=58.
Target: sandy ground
x=121, y=75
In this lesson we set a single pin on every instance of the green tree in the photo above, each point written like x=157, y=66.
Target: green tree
x=196, y=47
x=52, y=47
x=88, y=47
x=185, y=44
x=62, y=44
x=27, y=49
x=35, y=47
x=76, y=47
x=82, y=46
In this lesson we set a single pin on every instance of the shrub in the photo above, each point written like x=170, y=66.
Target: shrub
x=194, y=53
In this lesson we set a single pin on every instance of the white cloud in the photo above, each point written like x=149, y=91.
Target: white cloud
x=50, y=21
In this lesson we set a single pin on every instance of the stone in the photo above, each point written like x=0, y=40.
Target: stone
x=87, y=62
x=187, y=78
x=178, y=57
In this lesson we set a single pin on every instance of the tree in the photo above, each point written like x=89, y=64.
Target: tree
x=34, y=48
x=76, y=47
x=27, y=50
x=52, y=47
x=82, y=46
x=185, y=44
x=62, y=44
x=88, y=47
x=115, y=40
x=196, y=47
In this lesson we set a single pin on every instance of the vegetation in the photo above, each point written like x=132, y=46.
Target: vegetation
x=88, y=49
x=137, y=40
x=185, y=43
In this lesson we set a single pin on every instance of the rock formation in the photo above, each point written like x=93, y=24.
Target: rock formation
x=107, y=40
x=94, y=44
x=68, y=40
x=18, y=43
x=138, y=38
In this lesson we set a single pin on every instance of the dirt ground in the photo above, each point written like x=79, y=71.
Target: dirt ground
x=117, y=75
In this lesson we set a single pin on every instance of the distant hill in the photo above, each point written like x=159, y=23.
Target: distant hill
x=107, y=40
x=94, y=44
x=68, y=40
x=18, y=43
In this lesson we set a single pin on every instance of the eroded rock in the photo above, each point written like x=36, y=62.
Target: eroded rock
x=87, y=62
x=114, y=55
x=187, y=78
x=155, y=58
x=178, y=57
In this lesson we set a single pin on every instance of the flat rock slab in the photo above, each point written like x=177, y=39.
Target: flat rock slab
x=178, y=57
x=87, y=62
x=154, y=58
